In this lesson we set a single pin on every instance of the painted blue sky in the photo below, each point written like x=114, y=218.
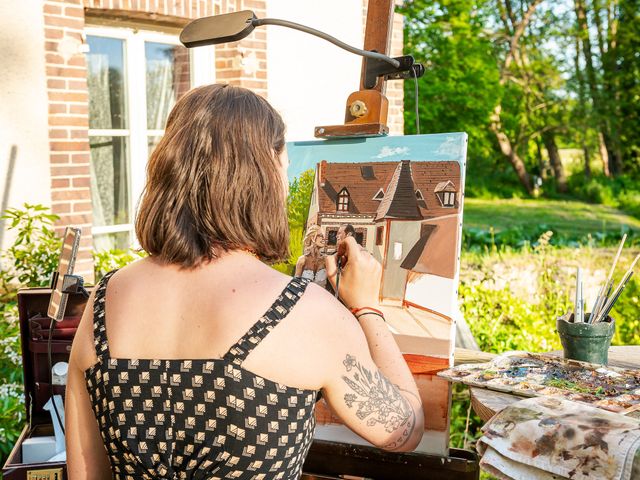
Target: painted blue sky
x=437, y=147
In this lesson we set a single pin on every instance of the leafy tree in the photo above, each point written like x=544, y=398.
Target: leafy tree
x=299, y=199
x=461, y=84
x=526, y=78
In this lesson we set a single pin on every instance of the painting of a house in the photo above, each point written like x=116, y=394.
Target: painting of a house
x=404, y=197
x=404, y=213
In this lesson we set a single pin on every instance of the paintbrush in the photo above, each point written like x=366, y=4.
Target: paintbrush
x=616, y=293
x=578, y=315
x=595, y=304
x=605, y=290
x=615, y=260
x=608, y=284
x=601, y=300
x=614, y=298
x=338, y=271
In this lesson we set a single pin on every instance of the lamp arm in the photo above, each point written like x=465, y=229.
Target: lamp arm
x=296, y=26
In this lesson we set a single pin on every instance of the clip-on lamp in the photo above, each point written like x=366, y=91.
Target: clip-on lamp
x=63, y=284
x=366, y=112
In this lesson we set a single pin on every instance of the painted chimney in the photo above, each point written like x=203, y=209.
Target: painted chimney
x=322, y=169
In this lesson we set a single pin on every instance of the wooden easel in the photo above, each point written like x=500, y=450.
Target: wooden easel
x=367, y=109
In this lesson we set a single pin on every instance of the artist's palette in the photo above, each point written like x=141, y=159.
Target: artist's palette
x=531, y=375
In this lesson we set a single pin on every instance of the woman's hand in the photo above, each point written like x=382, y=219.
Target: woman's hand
x=360, y=274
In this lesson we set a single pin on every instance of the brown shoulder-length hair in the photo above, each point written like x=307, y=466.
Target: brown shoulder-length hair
x=213, y=182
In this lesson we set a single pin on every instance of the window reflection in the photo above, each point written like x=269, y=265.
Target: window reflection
x=109, y=181
x=105, y=78
x=168, y=78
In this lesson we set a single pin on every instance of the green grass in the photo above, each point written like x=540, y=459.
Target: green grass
x=565, y=218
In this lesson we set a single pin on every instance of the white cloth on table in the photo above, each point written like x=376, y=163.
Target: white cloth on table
x=551, y=438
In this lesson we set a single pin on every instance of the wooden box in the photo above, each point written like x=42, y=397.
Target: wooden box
x=34, y=333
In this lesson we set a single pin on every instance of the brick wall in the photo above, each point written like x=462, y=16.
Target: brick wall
x=69, y=122
x=242, y=63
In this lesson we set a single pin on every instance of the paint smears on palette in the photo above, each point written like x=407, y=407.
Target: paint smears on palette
x=533, y=375
x=402, y=198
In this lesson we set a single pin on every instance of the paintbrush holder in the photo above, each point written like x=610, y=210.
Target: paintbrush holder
x=586, y=342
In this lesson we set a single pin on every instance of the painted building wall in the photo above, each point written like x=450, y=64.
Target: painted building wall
x=24, y=145
x=438, y=289
x=406, y=234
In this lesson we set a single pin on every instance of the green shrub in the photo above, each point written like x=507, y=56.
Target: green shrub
x=106, y=260
x=30, y=262
x=11, y=384
x=33, y=257
x=621, y=192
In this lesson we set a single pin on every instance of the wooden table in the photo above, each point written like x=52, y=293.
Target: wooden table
x=486, y=403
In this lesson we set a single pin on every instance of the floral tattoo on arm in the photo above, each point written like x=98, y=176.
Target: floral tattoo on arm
x=378, y=401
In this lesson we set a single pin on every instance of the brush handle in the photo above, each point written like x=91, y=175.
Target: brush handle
x=614, y=299
x=577, y=317
x=595, y=304
x=602, y=300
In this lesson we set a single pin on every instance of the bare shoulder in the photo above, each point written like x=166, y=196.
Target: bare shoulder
x=130, y=274
x=327, y=319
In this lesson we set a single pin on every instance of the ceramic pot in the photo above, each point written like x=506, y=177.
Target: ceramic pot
x=585, y=341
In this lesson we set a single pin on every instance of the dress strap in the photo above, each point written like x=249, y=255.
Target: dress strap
x=278, y=310
x=99, y=327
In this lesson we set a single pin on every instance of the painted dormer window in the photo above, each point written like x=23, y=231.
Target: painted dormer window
x=419, y=195
x=449, y=199
x=446, y=193
x=342, y=205
x=379, y=195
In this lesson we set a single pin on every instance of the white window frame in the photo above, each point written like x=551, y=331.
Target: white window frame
x=343, y=200
x=397, y=250
x=202, y=71
x=449, y=199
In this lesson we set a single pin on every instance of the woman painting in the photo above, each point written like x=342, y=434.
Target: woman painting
x=201, y=361
x=311, y=265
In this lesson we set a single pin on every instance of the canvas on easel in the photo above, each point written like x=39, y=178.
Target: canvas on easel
x=403, y=196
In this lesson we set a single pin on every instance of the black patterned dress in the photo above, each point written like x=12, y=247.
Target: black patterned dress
x=200, y=419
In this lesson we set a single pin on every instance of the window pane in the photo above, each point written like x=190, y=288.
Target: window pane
x=109, y=241
x=106, y=77
x=109, y=180
x=168, y=78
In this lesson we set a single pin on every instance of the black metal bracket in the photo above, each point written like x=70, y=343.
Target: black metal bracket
x=378, y=68
x=74, y=284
